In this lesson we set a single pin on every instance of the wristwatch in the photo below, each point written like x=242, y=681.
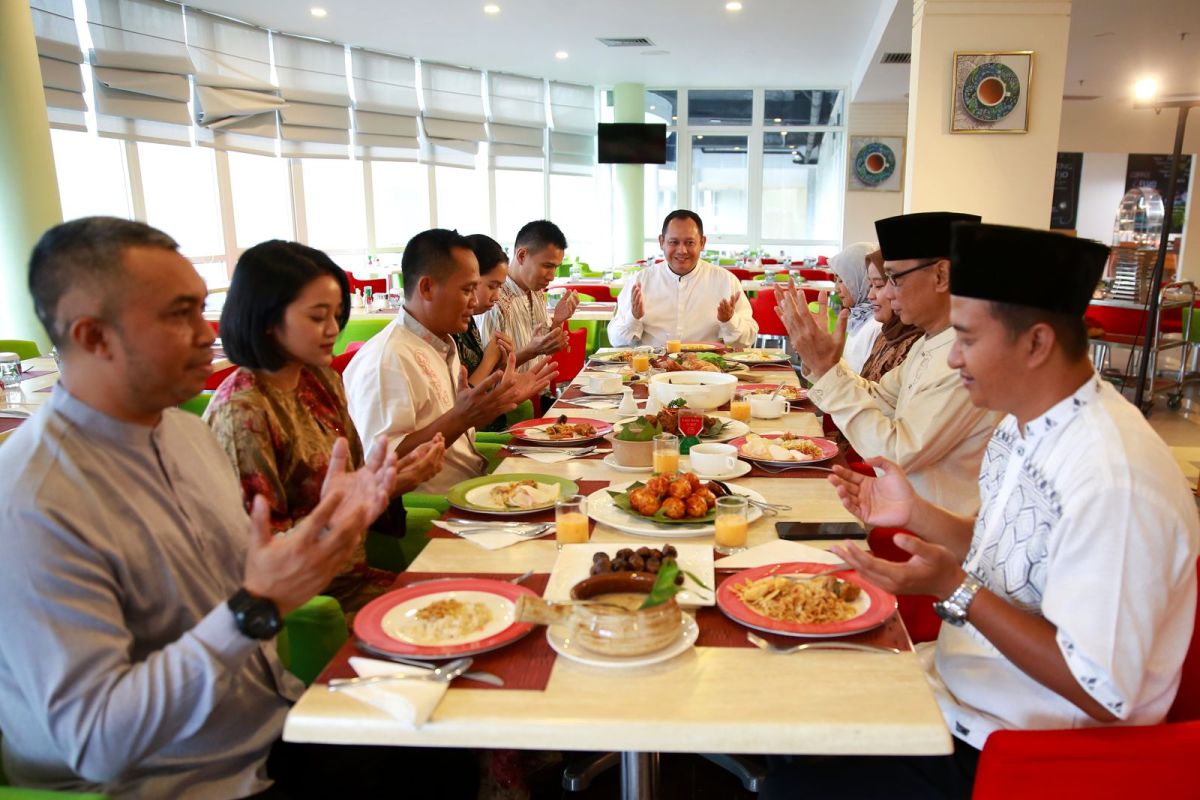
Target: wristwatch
x=954, y=608
x=256, y=617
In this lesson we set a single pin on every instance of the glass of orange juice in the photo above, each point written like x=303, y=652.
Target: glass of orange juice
x=570, y=520
x=739, y=406
x=666, y=453
x=674, y=345
x=641, y=359
x=732, y=524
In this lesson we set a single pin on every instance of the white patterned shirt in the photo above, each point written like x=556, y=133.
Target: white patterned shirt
x=402, y=380
x=517, y=312
x=1086, y=521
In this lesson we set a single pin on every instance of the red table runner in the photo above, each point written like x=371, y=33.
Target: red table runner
x=9, y=423
x=585, y=488
x=27, y=374
x=524, y=664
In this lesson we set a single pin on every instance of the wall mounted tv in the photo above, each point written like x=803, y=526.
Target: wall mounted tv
x=631, y=143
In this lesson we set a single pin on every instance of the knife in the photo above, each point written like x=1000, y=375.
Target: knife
x=475, y=675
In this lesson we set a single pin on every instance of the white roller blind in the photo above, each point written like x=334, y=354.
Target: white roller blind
x=453, y=116
x=516, y=100
x=138, y=34
x=59, y=57
x=384, y=84
x=228, y=54
x=573, y=108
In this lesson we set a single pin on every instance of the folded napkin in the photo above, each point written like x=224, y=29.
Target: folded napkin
x=496, y=539
x=778, y=551
x=410, y=702
x=553, y=457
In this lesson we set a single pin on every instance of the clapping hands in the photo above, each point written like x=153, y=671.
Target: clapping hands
x=818, y=350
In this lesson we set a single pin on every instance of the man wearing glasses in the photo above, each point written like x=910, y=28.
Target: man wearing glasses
x=918, y=415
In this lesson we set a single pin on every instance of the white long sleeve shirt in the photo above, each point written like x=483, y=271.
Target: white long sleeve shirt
x=1086, y=521
x=683, y=307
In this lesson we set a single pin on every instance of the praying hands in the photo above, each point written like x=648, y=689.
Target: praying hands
x=819, y=350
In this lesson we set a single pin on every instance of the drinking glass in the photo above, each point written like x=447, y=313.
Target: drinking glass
x=666, y=453
x=739, y=406
x=731, y=525
x=641, y=359
x=674, y=345
x=570, y=520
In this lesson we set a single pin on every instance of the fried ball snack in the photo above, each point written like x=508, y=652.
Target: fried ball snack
x=680, y=488
x=695, y=506
x=673, y=508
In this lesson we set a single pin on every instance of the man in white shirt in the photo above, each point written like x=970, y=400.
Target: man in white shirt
x=683, y=298
x=1070, y=598
x=520, y=312
x=407, y=384
x=919, y=414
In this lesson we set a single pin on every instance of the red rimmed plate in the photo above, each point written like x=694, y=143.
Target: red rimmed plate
x=829, y=449
x=875, y=606
x=380, y=624
x=794, y=394
x=534, y=430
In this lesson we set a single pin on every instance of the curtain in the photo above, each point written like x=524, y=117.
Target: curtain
x=59, y=57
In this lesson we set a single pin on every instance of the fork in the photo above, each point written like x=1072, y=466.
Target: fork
x=443, y=674
x=784, y=650
x=772, y=468
x=533, y=533
x=808, y=577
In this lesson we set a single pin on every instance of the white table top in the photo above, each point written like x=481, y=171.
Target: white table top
x=710, y=699
x=587, y=311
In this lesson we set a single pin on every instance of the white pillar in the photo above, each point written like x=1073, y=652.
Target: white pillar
x=629, y=105
x=29, y=201
x=1007, y=178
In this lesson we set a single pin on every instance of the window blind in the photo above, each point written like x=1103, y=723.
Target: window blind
x=59, y=56
x=315, y=122
x=385, y=106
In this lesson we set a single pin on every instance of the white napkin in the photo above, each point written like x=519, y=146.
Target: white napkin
x=410, y=702
x=776, y=552
x=599, y=405
x=495, y=539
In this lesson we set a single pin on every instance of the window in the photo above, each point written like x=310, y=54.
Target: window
x=574, y=207
x=92, y=180
x=334, y=206
x=662, y=188
x=262, y=198
x=462, y=199
x=520, y=198
x=802, y=185
x=802, y=107
x=661, y=105
x=720, y=168
x=720, y=107
x=401, y=196
x=179, y=185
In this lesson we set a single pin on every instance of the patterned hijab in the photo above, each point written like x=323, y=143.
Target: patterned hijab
x=851, y=266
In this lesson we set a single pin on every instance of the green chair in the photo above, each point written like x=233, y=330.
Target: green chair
x=358, y=330
x=16, y=793
x=22, y=347
x=198, y=404
x=312, y=635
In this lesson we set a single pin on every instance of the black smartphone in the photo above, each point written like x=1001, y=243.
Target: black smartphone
x=820, y=530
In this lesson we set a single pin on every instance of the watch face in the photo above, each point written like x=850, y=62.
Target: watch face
x=256, y=617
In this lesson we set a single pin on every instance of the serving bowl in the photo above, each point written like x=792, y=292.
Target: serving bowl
x=631, y=454
x=702, y=391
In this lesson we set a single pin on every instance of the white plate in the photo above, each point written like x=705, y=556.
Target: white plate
x=602, y=509
x=481, y=496
x=610, y=461
x=752, y=357
x=503, y=615
x=574, y=563
x=732, y=430
x=562, y=644
x=741, y=469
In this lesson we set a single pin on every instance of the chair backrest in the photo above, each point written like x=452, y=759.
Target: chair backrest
x=762, y=306
x=24, y=348
x=816, y=275
x=571, y=358
x=378, y=285
x=215, y=379
x=599, y=292
x=340, y=362
x=1187, y=702
x=745, y=274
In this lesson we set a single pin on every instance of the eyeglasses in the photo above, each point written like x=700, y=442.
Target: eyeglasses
x=892, y=276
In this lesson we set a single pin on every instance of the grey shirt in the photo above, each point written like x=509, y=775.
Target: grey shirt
x=121, y=668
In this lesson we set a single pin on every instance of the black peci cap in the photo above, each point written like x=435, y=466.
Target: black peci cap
x=922, y=235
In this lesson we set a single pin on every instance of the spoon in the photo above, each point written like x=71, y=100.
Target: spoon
x=767, y=508
x=443, y=674
x=785, y=650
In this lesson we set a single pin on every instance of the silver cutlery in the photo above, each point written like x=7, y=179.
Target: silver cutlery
x=532, y=533
x=475, y=675
x=490, y=524
x=522, y=577
x=773, y=468
x=15, y=413
x=443, y=674
x=784, y=650
x=842, y=567
x=771, y=509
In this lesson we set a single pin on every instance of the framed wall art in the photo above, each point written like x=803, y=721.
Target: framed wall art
x=876, y=163
x=991, y=92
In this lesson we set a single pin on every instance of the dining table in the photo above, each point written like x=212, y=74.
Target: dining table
x=720, y=696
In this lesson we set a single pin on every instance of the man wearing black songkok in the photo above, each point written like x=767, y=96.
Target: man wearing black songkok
x=917, y=415
x=1069, y=600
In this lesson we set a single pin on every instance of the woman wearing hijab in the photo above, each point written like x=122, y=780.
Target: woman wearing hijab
x=850, y=266
x=895, y=338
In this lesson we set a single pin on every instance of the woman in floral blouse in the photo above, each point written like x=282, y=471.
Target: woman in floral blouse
x=482, y=361
x=279, y=414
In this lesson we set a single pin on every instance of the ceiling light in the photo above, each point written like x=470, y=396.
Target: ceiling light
x=491, y=8
x=778, y=120
x=651, y=108
x=1145, y=89
x=734, y=6
x=318, y=12
x=701, y=136
x=561, y=54
x=674, y=117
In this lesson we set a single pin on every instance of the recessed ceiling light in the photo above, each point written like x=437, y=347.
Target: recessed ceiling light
x=778, y=120
x=1145, y=89
x=651, y=108
x=734, y=6
x=561, y=54
x=674, y=117
x=318, y=12
x=701, y=136
x=491, y=8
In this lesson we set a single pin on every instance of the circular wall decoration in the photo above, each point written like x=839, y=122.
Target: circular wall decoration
x=991, y=92
x=874, y=163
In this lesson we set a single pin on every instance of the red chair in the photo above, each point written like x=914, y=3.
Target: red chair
x=745, y=274
x=571, y=358
x=1111, y=761
x=378, y=285
x=215, y=325
x=822, y=261
x=340, y=363
x=762, y=307
x=599, y=291
x=215, y=379
x=816, y=275
x=915, y=609
x=770, y=261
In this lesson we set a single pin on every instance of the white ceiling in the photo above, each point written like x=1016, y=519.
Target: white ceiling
x=772, y=43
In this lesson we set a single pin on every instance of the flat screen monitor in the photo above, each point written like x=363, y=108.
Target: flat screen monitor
x=631, y=143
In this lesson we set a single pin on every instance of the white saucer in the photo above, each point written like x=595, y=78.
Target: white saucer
x=559, y=641
x=741, y=469
x=610, y=460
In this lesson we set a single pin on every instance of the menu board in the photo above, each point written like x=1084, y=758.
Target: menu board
x=1067, y=174
x=1154, y=171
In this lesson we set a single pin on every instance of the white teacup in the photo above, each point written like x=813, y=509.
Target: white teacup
x=713, y=458
x=604, y=383
x=763, y=406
